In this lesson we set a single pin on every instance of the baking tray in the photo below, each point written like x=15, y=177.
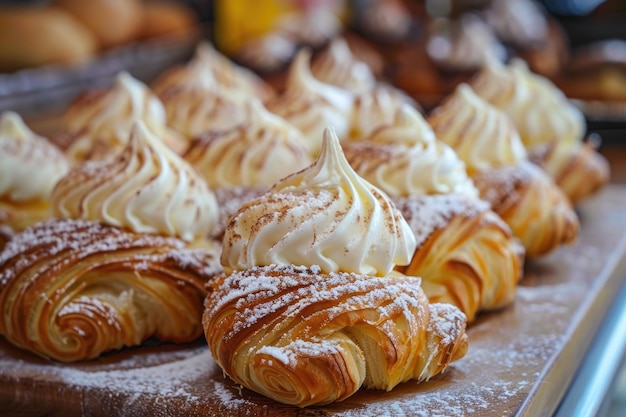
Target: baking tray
x=520, y=360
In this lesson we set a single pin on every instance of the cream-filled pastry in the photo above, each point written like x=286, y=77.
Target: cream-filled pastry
x=257, y=152
x=208, y=65
x=102, y=121
x=337, y=66
x=545, y=120
x=147, y=188
x=30, y=167
x=311, y=105
x=291, y=224
x=486, y=139
x=308, y=286
x=404, y=158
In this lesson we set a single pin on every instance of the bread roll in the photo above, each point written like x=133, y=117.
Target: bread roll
x=162, y=18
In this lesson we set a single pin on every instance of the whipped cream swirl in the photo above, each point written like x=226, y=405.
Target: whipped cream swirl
x=482, y=136
x=324, y=215
x=260, y=151
x=405, y=159
x=540, y=111
x=337, y=66
x=146, y=189
x=30, y=165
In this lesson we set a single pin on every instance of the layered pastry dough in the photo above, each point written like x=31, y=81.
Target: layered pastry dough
x=257, y=152
x=486, y=139
x=147, y=189
x=73, y=289
x=465, y=253
x=310, y=104
x=544, y=118
x=314, y=334
x=101, y=121
x=30, y=166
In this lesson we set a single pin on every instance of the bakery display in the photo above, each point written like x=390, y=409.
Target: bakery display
x=73, y=289
x=466, y=255
x=30, y=167
x=522, y=194
x=100, y=121
x=550, y=127
x=314, y=334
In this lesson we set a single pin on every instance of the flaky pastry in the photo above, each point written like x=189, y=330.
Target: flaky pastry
x=30, y=166
x=147, y=189
x=73, y=289
x=486, y=139
x=259, y=151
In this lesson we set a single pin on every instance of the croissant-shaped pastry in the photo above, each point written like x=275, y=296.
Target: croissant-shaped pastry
x=30, y=166
x=487, y=141
x=578, y=169
x=101, y=121
x=311, y=105
x=309, y=338
x=466, y=254
x=545, y=119
x=73, y=289
x=259, y=151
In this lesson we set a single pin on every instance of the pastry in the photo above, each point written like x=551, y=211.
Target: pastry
x=267, y=54
x=101, y=121
x=487, y=141
x=314, y=334
x=73, y=289
x=37, y=36
x=147, y=188
x=209, y=63
x=310, y=104
x=166, y=18
x=466, y=255
x=30, y=166
x=314, y=27
x=542, y=116
x=257, y=152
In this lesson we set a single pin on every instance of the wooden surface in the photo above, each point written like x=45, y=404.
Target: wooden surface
x=520, y=360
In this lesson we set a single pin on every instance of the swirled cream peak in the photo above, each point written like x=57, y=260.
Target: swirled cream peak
x=103, y=120
x=483, y=136
x=337, y=66
x=324, y=215
x=259, y=151
x=147, y=189
x=376, y=108
x=540, y=111
x=311, y=105
x=30, y=166
x=405, y=159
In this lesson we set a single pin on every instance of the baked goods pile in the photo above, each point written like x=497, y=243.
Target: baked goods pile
x=325, y=238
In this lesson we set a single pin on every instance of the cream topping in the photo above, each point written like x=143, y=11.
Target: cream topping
x=30, y=166
x=337, y=66
x=323, y=215
x=259, y=151
x=104, y=121
x=519, y=22
x=540, y=111
x=482, y=136
x=311, y=105
x=406, y=159
x=147, y=189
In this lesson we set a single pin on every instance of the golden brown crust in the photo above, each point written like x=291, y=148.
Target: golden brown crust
x=527, y=199
x=577, y=168
x=466, y=255
x=303, y=337
x=71, y=289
